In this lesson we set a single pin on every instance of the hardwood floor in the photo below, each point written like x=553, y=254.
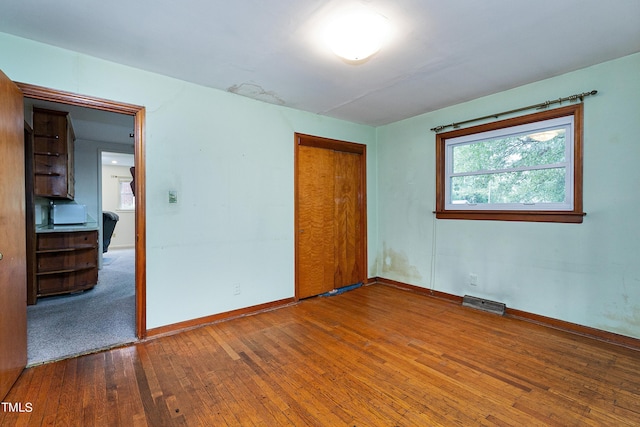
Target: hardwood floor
x=375, y=356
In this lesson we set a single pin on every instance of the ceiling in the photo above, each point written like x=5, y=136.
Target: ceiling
x=117, y=159
x=441, y=52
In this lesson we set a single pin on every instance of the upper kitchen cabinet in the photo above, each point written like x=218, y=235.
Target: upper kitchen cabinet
x=53, y=143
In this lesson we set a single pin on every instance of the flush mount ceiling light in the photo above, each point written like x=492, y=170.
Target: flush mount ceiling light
x=355, y=35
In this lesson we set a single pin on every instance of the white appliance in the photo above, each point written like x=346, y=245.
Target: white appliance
x=69, y=214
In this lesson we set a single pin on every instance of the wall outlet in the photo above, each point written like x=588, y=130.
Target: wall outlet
x=236, y=289
x=473, y=279
x=173, y=196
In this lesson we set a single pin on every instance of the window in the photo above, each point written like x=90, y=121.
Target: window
x=127, y=201
x=526, y=168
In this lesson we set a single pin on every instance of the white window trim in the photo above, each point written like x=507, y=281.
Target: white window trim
x=565, y=122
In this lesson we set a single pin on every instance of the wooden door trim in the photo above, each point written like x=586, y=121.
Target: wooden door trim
x=330, y=144
x=301, y=139
x=53, y=95
x=32, y=287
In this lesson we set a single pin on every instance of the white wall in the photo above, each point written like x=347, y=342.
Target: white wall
x=582, y=273
x=124, y=235
x=231, y=160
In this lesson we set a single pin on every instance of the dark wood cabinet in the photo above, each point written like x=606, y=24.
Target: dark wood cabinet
x=53, y=144
x=66, y=262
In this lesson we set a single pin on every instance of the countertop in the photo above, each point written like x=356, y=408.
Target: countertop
x=48, y=228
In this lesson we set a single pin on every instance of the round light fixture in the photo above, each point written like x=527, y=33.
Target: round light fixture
x=357, y=34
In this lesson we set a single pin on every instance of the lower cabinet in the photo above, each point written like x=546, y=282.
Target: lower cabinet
x=66, y=262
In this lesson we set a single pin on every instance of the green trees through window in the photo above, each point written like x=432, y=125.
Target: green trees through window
x=520, y=169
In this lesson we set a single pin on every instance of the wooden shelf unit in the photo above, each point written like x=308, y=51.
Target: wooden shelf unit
x=53, y=162
x=66, y=262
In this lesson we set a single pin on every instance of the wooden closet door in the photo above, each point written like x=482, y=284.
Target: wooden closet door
x=347, y=221
x=315, y=263
x=330, y=212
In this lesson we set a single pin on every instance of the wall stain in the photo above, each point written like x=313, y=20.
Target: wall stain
x=397, y=263
x=251, y=90
x=375, y=267
x=631, y=320
x=626, y=314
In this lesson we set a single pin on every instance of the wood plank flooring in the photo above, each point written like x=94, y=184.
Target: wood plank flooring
x=375, y=356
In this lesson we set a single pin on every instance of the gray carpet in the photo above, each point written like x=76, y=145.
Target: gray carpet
x=69, y=325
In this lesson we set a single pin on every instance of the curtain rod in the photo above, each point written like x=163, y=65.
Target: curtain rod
x=539, y=106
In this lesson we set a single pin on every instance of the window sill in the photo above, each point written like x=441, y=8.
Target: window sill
x=530, y=216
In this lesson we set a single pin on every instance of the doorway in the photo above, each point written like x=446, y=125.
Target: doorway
x=137, y=134
x=103, y=316
x=330, y=215
x=117, y=200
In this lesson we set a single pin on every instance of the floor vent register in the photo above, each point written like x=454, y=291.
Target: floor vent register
x=483, y=304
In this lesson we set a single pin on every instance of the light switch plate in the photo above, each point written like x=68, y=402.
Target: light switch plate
x=173, y=197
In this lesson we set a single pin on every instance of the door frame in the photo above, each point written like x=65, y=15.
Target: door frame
x=62, y=97
x=301, y=139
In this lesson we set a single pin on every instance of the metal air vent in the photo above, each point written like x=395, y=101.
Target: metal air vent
x=483, y=304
